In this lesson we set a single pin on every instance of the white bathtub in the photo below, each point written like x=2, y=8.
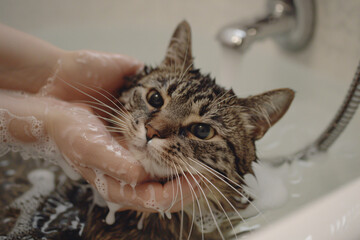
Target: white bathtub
x=323, y=194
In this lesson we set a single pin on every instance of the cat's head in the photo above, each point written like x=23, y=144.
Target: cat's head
x=180, y=121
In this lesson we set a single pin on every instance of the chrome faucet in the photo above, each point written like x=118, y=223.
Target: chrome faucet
x=289, y=22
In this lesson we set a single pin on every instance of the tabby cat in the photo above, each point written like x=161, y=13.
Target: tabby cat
x=178, y=122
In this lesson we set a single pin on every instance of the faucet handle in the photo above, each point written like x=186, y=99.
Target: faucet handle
x=290, y=22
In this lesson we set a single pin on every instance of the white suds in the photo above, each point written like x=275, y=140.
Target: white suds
x=113, y=207
x=151, y=202
x=43, y=182
x=168, y=214
x=43, y=148
x=100, y=183
x=268, y=187
x=140, y=224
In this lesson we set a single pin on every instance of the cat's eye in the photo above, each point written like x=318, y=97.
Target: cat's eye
x=154, y=99
x=202, y=131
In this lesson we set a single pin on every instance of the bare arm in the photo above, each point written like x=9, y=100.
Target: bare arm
x=20, y=55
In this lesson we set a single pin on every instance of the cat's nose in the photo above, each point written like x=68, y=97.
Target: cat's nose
x=151, y=132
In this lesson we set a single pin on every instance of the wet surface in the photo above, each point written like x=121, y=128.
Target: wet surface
x=30, y=213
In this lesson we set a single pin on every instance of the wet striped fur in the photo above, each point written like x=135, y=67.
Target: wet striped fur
x=189, y=98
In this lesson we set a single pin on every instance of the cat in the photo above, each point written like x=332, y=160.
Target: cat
x=179, y=122
x=182, y=121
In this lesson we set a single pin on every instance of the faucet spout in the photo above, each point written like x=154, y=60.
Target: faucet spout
x=290, y=24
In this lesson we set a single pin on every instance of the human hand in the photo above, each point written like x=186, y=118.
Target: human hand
x=78, y=75
x=82, y=138
x=33, y=66
x=93, y=152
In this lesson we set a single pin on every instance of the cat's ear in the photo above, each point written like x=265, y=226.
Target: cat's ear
x=179, y=50
x=266, y=109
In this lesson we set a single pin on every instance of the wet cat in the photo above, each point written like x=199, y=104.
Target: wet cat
x=177, y=122
x=182, y=123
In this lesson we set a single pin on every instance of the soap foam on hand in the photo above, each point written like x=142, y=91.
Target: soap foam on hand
x=42, y=146
x=74, y=127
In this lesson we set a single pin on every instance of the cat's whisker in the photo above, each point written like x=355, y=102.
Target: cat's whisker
x=201, y=219
x=106, y=97
x=119, y=112
x=199, y=206
x=226, y=99
x=117, y=102
x=222, y=208
x=118, y=120
x=182, y=203
x=109, y=120
x=182, y=75
x=83, y=92
x=225, y=198
x=122, y=127
x=238, y=192
x=219, y=175
x=104, y=111
x=182, y=212
x=115, y=131
x=173, y=186
x=208, y=204
x=193, y=197
x=216, y=174
x=216, y=101
x=96, y=101
x=120, y=138
x=116, y=124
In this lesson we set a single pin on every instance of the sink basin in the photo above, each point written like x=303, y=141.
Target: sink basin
x=322, y=194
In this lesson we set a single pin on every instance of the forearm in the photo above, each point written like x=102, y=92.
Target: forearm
x=25, y=61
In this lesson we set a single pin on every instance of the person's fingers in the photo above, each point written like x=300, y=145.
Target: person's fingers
x=86, y=145
x=21, y=130
x=22, y=116
x=87, y=74
x=100, y=151
x=106, y=70
x=148, y=197
x=84, y=140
